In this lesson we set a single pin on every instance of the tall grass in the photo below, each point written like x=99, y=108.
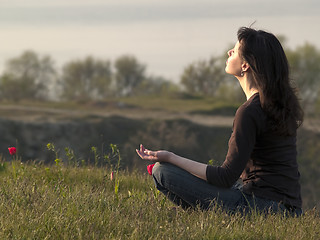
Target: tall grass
x=63, y=202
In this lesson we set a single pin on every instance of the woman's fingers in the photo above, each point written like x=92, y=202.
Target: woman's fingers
x=156, y=156
x=142, y=149
x=147, y=151
x=139, y=153
x=146, y=154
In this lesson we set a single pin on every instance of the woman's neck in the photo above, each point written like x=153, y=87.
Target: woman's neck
x=248, y=88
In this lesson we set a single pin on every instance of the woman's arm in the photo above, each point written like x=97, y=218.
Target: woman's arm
x=193, y=167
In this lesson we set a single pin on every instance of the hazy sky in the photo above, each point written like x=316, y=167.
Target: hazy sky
x=166, y=35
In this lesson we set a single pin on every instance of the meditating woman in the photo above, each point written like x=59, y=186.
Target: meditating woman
x=262, y=147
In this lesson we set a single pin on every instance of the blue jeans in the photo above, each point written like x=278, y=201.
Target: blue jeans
x=189, y=191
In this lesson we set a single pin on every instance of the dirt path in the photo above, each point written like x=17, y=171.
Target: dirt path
x=40, y=114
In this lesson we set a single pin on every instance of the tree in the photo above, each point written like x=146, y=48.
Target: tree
x=156, y=85
x=27, y=77
x=88, y=79
x=203, y=77
x=129, y=74
x=305, y=70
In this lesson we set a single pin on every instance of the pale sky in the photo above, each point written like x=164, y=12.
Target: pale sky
x=166, y=35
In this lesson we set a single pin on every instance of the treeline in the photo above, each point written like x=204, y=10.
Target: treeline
x=34, y=77
x=30, y=76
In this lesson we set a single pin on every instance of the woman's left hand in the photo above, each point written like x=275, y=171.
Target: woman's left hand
x=155, y=156
x=196, y=168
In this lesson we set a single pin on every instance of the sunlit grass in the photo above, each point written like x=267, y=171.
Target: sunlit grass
x=61, y=202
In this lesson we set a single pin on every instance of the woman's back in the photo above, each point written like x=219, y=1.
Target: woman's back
x=272, y=169
x=265, y=160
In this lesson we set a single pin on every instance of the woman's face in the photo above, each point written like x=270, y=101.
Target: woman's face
x=234, y=62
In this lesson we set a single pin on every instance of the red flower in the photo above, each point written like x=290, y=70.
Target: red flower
x=149, y=168
x=111, y=176
x=12, y=150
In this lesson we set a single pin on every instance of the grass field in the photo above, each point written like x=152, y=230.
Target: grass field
x=63, y=202
x=78, y=201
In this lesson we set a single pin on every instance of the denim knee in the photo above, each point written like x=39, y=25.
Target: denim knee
x=155, y=168
x=158, y=170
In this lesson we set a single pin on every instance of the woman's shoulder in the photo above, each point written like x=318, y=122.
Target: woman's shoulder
x=251, y=111
x=251, y=106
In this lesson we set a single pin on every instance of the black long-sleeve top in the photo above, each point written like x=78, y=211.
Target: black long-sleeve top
x=265, y=161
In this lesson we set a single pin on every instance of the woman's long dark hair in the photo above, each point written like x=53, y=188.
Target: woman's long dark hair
x=270, y=71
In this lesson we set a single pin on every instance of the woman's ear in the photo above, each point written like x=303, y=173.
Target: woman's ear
x=245, y=66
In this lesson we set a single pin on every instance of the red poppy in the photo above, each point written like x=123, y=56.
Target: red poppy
x=149, y=168
x=12, y=150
